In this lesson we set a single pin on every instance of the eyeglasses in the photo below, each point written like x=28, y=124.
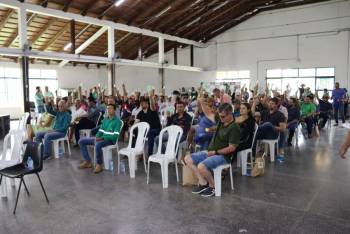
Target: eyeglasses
x=223, y=116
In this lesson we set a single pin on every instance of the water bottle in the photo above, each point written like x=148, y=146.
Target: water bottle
x=60, y=151
x=30, y=163
x=122, y=167
x=111, y=165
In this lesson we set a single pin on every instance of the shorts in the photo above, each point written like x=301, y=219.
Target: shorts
x=211, y=162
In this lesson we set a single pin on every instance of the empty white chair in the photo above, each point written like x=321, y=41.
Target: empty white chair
x=172, y=145
x=11, y=153
x=272, y=147
x=242, y=156
x=107, y=153
x=131, y=152
x=22, y=124
x=87, y=132
x=217, y=178
x=60, y=142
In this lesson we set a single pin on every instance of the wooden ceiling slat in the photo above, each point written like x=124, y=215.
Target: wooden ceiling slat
x=58, y=35
x=43, y=30
x=9, y=14
x=109, y=7
x=67, y=5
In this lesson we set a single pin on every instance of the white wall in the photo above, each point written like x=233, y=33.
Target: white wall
x=314, y=35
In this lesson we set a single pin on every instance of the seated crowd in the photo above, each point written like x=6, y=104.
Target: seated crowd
x=215, y=127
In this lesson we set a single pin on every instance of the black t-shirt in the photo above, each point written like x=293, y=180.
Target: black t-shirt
x=275, y=118
x=151, y=117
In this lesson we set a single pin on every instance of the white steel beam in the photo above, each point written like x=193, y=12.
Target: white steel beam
x=111, y=43
x=161, y=56
x=90, y=20
x=92, y=59
x=86, y=43
x=22, y=27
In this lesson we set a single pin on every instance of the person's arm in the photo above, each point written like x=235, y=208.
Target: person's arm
x=255, y=103
x=206, y=110
x=125, y=94
x=234, y=140
x=344, y=147
x=50, y=110
x=281, y=127
x=152, y=102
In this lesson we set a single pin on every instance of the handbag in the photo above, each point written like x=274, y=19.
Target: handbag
x=188, y=178
x=258, y=166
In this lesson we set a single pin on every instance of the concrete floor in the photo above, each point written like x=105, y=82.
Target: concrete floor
x=309, y=193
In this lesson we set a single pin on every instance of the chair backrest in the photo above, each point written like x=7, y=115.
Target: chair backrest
x=142, y=131
x=255, y=131
x=22, y=125
x=192, y=116
x=33, y=150
x=12, y=146
x=174, y=136
x=121, y=127
x=99, y=119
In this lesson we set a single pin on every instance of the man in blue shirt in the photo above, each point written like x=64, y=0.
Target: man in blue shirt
x=60, y=127
x=338, y=96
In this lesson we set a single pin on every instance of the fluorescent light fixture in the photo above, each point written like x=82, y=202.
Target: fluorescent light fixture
x=119, y=2
x=217, y=30
x=194, y=21
x=69, y=45
x=219, y=6
x=163, y=11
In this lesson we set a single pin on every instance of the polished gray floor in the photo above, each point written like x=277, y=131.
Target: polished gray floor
x=309, y=193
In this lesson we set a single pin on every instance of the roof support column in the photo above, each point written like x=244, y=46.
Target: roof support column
x=111, y=67
x=161, y=60
x=22, y=27
x=72, y=36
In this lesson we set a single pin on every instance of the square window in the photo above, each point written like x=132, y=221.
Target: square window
x=325, y=71
x=309, y=72
x=274, y=73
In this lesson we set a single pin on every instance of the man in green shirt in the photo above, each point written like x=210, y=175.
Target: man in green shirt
x=221, y=148
x=308, y=110
x=108, y=134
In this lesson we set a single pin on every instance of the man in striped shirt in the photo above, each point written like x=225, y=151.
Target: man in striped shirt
x=108, y=134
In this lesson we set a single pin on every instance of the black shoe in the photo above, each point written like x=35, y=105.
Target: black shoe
x=289, y=144
x=209, y=192
x=46, y=157
x=335, y=125
x=200, y=188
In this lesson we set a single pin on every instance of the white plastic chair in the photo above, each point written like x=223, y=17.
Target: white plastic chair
x=171, y=149
x=22, y=124
x=107, y=152
x=272, y=147
x=242, y=156
x=87, y=132
x=11, y=154
x=217, y=178
x=138, y=149
x=56, y=145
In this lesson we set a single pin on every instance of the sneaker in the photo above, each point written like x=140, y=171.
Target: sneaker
x=209, y=192
x=98, y=168
x=289, y=144
x=335, y=125
x=280, y=158
x=200, y=188
x=85, y=164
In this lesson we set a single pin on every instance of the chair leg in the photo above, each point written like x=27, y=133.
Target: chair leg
x=231, y=176
x=25, y=186
x=177, y=171
x=0, y=179
x=144, y=161
x=244, y=163
x=118, y=164
x=19, y=189
x=148, y=171
x=165, y=178
x=132, y=163
x=41, y=184
x=68, y=146
x=217, y=181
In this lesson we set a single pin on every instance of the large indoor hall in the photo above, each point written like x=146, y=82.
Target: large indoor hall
x=174, y=116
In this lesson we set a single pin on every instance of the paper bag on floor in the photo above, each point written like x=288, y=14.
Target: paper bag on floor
x=188, y=178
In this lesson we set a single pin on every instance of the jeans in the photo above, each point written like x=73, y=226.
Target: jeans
x=324, y=116
x=309, y=124
x=265, y=131
x=211, y=162
x=339, y=107
x=151, y=136
x=48, y=137
x=41, y=109
x=291, y=127
x=85, y=141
